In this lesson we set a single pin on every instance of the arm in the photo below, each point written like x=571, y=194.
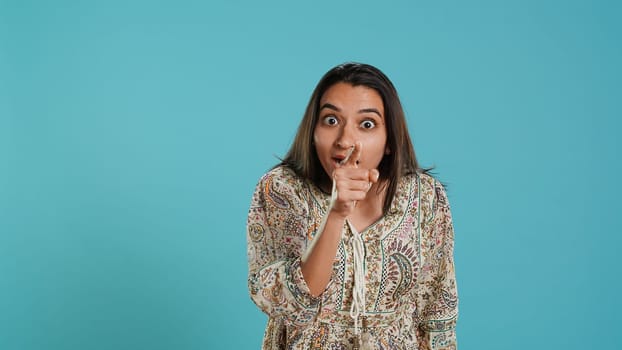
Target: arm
x=350, y=184
x=437, y=298
x=277, y=228
x=317, y=265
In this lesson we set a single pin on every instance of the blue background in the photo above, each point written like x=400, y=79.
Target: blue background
x=132, y=134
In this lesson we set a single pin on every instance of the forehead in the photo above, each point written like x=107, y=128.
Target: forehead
x=347, y=96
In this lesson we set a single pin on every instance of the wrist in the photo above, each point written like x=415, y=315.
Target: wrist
x=337, y=215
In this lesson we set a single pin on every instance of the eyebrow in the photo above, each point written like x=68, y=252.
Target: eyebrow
x=364, y=110
x=370, y=110
x=330, y=106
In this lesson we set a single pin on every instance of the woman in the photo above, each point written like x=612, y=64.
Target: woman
x=350, y=242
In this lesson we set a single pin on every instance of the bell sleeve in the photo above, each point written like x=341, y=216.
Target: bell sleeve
x=437, y=297
x=277, y=228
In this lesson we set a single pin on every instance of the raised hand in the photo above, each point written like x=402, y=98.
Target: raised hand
x=352, y=183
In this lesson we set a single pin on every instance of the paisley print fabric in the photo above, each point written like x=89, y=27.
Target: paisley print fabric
x=410, y=286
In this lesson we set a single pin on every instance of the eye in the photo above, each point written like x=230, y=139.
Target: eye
x=330, y=120
x=368, y=124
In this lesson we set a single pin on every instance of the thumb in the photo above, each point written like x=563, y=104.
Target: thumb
x=374, y=175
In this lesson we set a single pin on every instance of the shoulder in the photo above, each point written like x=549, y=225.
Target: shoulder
x=421, y=181
x=430, y=189
x=282, y=186
x=283, y=176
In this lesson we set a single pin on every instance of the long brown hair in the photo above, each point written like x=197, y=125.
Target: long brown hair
x=302, y=157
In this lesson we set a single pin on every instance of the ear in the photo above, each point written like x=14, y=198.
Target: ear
x=387, y=150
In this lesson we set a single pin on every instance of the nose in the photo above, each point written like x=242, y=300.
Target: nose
x=346, y=138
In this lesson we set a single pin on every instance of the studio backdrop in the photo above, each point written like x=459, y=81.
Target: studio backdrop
x=132, y=135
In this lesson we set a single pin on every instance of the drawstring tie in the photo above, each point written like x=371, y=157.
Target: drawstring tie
x=357, y=309
x=358, y=292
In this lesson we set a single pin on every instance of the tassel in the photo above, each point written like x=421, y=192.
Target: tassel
x=366, y=341
x=362, y=341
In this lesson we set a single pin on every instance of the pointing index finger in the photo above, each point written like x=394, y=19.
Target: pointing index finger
x=345, y=160
x=353, y=156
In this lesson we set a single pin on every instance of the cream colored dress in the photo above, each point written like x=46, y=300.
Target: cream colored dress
x=411, y=298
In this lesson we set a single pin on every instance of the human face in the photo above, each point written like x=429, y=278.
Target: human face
x=348, y=115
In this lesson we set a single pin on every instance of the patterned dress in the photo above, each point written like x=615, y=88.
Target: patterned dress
x=411, y=298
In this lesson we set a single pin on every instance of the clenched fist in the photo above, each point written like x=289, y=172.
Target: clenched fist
x=351, y=182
